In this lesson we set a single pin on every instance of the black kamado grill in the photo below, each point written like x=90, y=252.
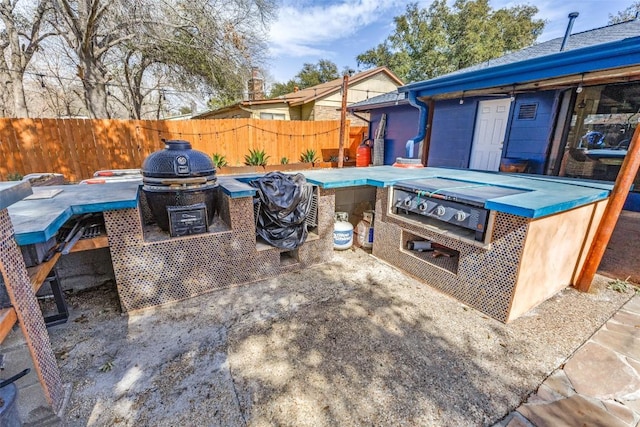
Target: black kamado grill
x=180, y=187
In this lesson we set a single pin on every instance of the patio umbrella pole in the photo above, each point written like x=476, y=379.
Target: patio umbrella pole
x=617, y=198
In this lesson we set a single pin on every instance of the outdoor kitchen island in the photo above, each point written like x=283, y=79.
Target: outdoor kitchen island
x=537, y=232
x=500, y=243
x=153, y=268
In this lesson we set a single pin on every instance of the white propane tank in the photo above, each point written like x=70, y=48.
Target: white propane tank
x=342, y=231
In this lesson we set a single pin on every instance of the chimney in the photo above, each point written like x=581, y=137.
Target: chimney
x=255, y=85
x=572, y=17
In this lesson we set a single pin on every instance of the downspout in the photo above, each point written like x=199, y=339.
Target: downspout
x=410, y=147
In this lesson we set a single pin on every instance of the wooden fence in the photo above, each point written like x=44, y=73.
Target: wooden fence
x=77, y=148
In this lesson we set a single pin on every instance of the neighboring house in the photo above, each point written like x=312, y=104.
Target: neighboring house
x=569, y=112
x=320, y=102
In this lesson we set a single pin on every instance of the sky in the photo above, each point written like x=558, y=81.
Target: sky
x=306, y=31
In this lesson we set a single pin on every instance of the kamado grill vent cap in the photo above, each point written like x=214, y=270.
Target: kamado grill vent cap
x=177, y=160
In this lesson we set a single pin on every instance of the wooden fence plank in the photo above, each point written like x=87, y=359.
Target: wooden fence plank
x=51, y=145
x=13, y=161
x=72, y=164
x=25, y=137
x=79, y=147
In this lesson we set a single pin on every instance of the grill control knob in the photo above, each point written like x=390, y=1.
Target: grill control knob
x=441, y=210
x=407, y=202
x=422, y=206
x=461, y=216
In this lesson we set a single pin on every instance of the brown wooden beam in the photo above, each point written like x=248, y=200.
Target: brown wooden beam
x=343, y=120
x=617, y=198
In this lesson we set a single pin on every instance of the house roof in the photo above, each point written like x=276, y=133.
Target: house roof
x=312, y=93
x=604, y=48
x=318, y=91
x=384, y=100
x=596, y=36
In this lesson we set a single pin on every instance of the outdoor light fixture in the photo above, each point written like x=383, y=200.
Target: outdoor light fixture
x=462, y=98
x=579, y=88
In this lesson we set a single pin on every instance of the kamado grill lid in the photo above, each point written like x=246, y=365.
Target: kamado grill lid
x=177, y=160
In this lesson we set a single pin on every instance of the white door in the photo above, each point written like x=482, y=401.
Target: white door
x=488, y=137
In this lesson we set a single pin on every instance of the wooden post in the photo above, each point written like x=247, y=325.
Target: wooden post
x=343, y=120
x=611, y=213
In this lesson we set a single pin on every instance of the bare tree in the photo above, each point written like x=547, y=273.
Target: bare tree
x=197, y=44
x=126, y=54
x=61, y=95
x=91, y=28
x=19, y=41
x=631, y=12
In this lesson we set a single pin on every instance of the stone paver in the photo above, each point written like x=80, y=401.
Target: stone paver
x=600, y=382
x=633, y=405
x=627, y=317
x=600, y=372
x=633, y=305
x=559, y=383
x=519, y=421
x=631, y=330
x=634, y=364
x=575, y=411
x=623, y=412
x=620, y=342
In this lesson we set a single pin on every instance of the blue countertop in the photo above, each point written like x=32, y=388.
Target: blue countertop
x=542, y=197
x=12, y=192
x=38, y=220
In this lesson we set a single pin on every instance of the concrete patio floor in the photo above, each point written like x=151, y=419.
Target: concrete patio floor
x=350, y=342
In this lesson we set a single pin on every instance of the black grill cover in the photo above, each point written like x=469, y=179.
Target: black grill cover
x=285, y=202
x=177, y=160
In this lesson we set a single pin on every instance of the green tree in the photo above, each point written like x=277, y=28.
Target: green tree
x=626, y=14
x=279, y=89
x=430, y=42
x=315, y=74
x=310, y=75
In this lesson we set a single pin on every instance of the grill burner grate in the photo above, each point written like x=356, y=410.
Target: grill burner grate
x=444, y=201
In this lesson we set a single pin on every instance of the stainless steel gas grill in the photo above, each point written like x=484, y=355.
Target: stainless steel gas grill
x=451, y=206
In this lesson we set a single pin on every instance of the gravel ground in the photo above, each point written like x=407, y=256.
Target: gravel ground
x=350, y=342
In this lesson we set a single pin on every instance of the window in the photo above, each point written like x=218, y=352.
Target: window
x=272, y=116
x=603, y=121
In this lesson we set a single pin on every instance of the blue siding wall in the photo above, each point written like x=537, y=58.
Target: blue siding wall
x=402, y=125
x=453, y=127
x=632, y=203
x=527, y=138
x=452, y=133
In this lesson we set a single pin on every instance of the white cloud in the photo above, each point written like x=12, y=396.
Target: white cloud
x=309, y=30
